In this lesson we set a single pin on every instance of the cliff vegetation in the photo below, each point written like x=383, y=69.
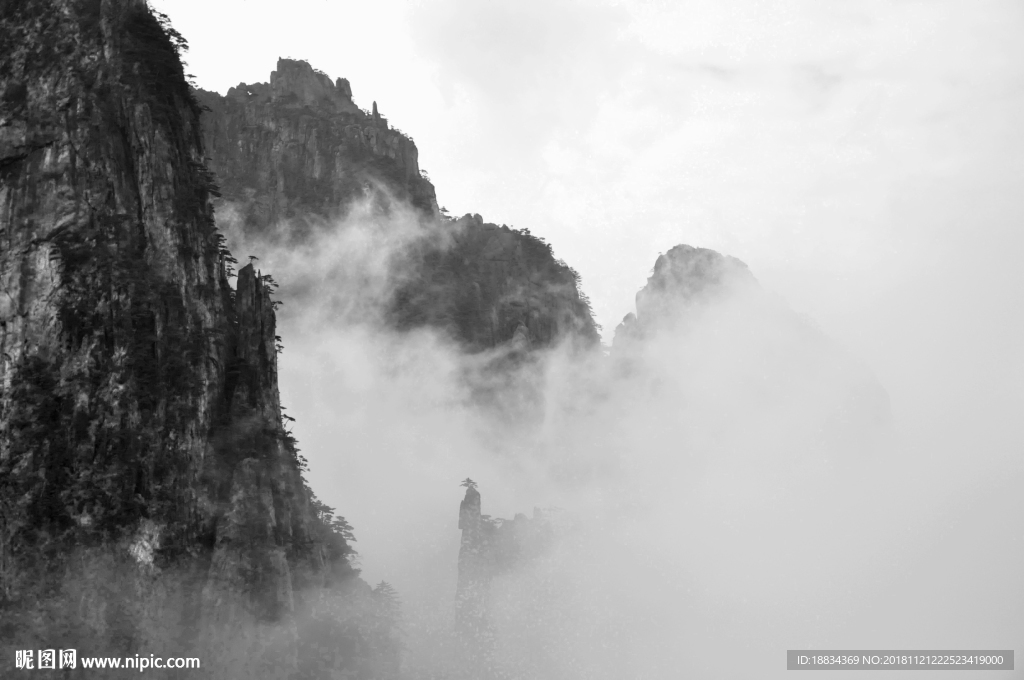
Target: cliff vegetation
x=151, y=496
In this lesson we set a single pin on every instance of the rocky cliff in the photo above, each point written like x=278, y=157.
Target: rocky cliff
x=115, y=308
x=150, y=497
x=298, y=147
x=291, y=156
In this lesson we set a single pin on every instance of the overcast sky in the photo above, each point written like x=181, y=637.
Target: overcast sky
x=864, y=158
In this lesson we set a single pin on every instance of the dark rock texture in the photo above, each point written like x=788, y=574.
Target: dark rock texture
x=149, y=495
x=493, y=285
x=298, y=147
x=115, y=307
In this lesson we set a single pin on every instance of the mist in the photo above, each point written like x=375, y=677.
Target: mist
x=798, y=428
x=727, y=495
x=865, y=161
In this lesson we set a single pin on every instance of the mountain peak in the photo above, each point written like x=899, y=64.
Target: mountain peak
x=682, y=277
x=296, y=83
x=690, y=273
x=302, y=146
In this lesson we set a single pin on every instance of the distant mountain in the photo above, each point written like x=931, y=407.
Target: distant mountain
x=682, y=278
x=745, y=346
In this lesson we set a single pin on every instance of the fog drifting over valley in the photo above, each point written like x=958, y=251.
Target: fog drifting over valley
x=717, y=507
x=863, y=158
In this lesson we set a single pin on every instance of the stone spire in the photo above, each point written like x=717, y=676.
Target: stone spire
x=469, y=591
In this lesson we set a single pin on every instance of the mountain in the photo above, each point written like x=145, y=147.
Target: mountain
x=151, y=494
x=298, y=146
x=489, y=284
x=706, y=311
x=682, y=278
x=151, y=497
x=291, y=157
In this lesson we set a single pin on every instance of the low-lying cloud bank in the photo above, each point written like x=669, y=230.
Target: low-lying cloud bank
x=734, y=487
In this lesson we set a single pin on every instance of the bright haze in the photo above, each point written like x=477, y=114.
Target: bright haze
x=864, y=159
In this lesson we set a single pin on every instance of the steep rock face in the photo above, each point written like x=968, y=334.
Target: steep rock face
x=141, y=440
x=112, y=293
x=298, y=146
x=472, y=576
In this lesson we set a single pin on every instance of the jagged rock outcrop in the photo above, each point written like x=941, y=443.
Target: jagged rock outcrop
x=472, y=574
x=298, y=147
x=149, y=495
x=489, y=548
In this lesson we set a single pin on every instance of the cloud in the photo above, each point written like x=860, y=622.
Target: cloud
x=529, y=69
x=719, y=511
x=864, y=159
